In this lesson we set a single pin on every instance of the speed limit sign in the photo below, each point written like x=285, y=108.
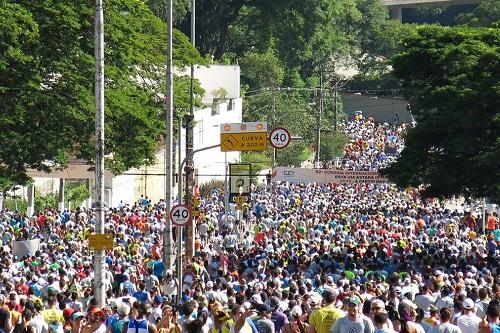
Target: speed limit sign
x=180, y=215
x=280, y=137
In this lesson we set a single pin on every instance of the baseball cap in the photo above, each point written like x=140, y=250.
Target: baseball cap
x=256, y=299
x=210, y=284
x=353, y=300
x=96, y=310
x=158, y=299
x=468, y=304
x=264, y=308
x=68, y=312
x=77, y=315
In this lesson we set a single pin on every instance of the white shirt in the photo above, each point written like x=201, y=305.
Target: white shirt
x=468, y=323
x=446, y=328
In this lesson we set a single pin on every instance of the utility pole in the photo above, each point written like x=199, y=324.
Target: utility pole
x=189, y=149
x=335, y=110
x=100, y=293
x=273, y=115
x=318, y=120
x=179, y=229
x=169, y=130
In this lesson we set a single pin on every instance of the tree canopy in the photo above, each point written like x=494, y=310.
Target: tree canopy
x=451, y=77
x=47, y=83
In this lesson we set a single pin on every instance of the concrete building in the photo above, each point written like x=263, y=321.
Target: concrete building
x=396, y=6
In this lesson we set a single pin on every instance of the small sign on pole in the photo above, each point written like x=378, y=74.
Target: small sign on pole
x=180, y=215
x=101, y=242
x=280, y=138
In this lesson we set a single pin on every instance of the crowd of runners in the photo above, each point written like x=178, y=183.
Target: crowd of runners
x=312, y=258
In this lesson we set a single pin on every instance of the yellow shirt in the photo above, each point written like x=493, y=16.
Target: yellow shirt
x=226, y=327
x=323, y=319
x=52, y=315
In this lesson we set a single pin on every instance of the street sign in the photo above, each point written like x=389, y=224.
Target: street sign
x=239, y=180
x=280, y=138
x=101, y=242
x=249, y=136
x=180, y=215
x=240, y=200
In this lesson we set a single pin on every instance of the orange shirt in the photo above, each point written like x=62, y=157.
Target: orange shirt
x=492, y=222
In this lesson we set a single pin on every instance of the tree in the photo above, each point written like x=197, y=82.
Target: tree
x=487, y=14
x=451, y=77
x=332, y=145
x=47, y=83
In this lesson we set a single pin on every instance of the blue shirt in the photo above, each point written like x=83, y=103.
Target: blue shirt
x=158, y=268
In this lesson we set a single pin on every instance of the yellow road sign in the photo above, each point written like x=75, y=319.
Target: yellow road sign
x=253, y=141
x=196, y=202
x=101, y=242
x=195, y=212
x=240, y=207
x=240, y=200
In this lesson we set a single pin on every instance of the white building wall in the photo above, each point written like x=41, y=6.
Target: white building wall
x=210, y=163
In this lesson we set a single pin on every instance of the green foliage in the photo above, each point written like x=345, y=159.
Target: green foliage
x=47, y=83
x=15, y=203
x=293, y=155
x=332, y=145
x=49, y=200
x=451, y=77
x=76, y=193
x=487, y=14
x=259, y=161
x=214, y=184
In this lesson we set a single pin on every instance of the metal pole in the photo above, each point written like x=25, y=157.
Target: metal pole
x=484, y=215
x=179, y=229
x=189, y=150
x=273, y=115
x=100, y=293
x=193, y=22
x=318, y=120
x=227, y=189
x=169, y=128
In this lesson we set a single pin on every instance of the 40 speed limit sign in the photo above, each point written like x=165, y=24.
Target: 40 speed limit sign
x=180, y=215
x=280, y=138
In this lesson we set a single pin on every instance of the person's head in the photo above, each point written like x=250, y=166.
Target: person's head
x=380, y=319
x=468, y=305
x=27, y=315
x=77, y=319
x=265, y=310
x=352, y=305
x=377, y=305
x=493, y=311
x=329, y=297
x=96, y=314
x=445, y=315
x=237, y=312
x=123, y=310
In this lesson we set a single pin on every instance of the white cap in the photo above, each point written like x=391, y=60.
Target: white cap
x=210, y=284
x=468, y=304
x=296, y=311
